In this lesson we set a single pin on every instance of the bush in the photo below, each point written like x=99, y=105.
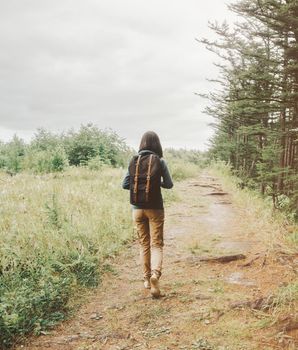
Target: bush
x=11, y=155
x=31, y=304
x=184, y=164
x=96, y=163
x=48, y=152
x=46, y=161
x=181, y=170
x=90, y=142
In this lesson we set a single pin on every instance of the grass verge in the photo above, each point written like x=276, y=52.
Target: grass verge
x=56, y=230
x=279, y=233
x=279, y=236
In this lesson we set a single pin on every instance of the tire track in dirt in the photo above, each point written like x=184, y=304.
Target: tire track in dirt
x=196, y=311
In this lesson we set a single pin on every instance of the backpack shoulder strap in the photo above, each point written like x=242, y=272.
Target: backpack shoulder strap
x=136, y=178
x=148, y=177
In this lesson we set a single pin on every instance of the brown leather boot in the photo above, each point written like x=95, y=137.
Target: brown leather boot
x=147, y=284
x=155, y=291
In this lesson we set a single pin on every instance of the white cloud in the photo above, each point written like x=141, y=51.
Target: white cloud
x=129, y=65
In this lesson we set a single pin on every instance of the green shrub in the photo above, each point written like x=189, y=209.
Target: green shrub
x=46, y=161
x=90, y=142
x=183, y=163
x=11, y=155
x=181, y=170
x=96, y=163
x=31, y=304
x=84, y=268
x=48, y=152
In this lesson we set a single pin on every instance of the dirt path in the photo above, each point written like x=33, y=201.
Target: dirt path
x=197, y=311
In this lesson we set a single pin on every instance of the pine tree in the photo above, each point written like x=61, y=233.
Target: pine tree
x=256, y=108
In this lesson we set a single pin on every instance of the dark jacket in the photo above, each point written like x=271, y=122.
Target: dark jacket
x=165, y=183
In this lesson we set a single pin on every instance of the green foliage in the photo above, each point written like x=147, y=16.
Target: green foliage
x=181, y=170
x=187, y=156
x=67, y=224
x=44, y=140
x=46, y=161
x=293, y=238
x=256, y=108
x=83, y=267
x=11, y=155
x=96, y=163
x=54, y=213
x=31, y=304
x=286, y=296
x=184, y=163
x=59, y=160
x=48, y=152
x=90, y=142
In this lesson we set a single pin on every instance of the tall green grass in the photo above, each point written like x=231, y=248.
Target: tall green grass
x=181, y=167
x=279, y=231
x=55, y=231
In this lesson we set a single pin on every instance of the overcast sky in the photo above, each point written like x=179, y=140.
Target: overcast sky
x=129, y=65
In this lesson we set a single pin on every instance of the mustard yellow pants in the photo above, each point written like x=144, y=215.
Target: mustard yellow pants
x=149, y=224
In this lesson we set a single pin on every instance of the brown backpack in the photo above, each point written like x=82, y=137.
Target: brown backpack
x=145, y=179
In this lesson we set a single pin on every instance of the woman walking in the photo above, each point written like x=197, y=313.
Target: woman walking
x=147, y=173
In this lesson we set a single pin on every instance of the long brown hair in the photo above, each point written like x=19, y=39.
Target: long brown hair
x=150, y=141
